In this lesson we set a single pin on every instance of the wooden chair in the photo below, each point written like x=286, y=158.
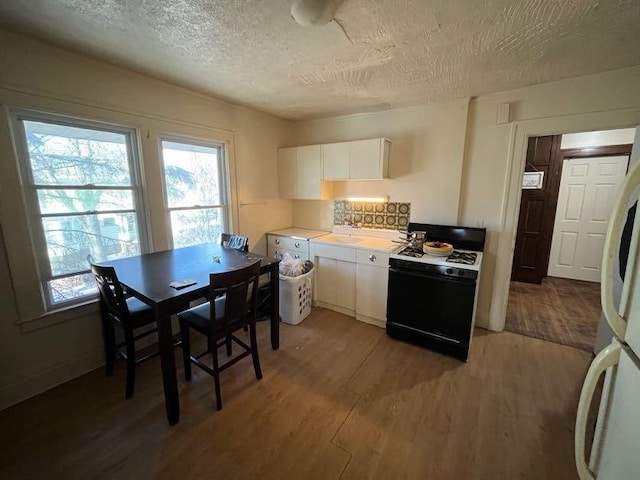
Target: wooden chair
x=234, y=308
x=129, y=314
x=264, y=291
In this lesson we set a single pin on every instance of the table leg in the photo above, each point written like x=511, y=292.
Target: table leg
x=275, y=306
x=168, y=364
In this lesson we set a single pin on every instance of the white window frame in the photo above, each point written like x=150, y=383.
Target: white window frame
x=32, y=206
x=223, y=172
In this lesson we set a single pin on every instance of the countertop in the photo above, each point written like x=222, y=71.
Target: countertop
x=360, y=240
x=300, y=233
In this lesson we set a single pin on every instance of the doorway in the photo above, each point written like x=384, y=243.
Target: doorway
x=570, y=184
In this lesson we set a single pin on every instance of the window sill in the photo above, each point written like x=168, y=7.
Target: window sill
x=62, y=315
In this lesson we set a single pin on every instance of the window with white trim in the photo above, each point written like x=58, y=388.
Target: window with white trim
x=195, y=190
x=82, y=187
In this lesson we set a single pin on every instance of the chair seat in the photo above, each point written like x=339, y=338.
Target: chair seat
x=198, y=316
x=138, y=308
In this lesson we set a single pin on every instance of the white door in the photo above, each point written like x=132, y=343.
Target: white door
x=588, y=190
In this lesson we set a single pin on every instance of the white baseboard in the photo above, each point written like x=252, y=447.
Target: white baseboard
x=371, y=321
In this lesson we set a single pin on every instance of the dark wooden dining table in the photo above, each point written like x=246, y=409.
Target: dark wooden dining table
x=147, y=277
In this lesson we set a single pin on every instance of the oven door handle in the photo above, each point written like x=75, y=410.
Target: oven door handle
x=431, y=276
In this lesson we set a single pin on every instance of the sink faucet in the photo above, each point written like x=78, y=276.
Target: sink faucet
x=352, y=224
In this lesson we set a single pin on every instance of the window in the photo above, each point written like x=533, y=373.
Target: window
x=195, y=189
x=82, y=189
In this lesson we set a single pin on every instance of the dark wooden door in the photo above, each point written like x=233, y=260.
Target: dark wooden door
x=537, y=211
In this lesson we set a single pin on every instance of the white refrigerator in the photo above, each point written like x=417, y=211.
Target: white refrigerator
x=615, y=452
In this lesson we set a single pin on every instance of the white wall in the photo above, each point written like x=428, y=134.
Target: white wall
x=426, y=159
x=494, y=159
x=42, y=353
x=474, y=185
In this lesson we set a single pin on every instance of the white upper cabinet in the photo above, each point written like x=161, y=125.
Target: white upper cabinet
x=357, y=160
x=300, y=173
x=335, y=161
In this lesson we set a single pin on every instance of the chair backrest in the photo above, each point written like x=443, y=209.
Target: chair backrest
x=237, y=242
x=240, y=290
x=110, y=289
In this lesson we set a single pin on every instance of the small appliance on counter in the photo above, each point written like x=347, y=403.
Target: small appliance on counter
x=432, y=296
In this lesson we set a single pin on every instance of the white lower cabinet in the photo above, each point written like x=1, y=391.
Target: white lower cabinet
x=372, y=278
x=278, y=245
x=336, y=284
x=352, y=281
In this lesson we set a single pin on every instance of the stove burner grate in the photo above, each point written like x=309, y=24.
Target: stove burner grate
x=411, y=252
x=466, y=258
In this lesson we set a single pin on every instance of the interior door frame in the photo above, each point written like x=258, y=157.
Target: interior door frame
x=516, y=159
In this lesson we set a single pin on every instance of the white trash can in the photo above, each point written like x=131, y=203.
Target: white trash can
x=296, y=294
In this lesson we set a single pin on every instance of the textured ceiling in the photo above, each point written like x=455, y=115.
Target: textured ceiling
x=397, y=53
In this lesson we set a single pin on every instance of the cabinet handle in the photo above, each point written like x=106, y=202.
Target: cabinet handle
x=277, y=242
x=372, y=258
x=297, y=256
x=297, y=244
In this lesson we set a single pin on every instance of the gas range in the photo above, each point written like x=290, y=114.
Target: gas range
x=432, y=299
x=464, y=259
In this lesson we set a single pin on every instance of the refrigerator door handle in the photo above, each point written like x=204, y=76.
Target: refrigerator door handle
x=607, y=358
x=614, y=231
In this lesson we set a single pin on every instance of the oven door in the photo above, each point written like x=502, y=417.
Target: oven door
x=437, y=306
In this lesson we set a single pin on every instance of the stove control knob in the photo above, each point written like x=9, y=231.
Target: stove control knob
x=449, y=271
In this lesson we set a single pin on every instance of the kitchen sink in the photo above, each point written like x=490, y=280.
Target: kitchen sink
x=346, y=239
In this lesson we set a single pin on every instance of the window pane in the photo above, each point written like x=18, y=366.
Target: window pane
x=63, y=155
x=191, y=227
x=69, y=288
x=192, y=174
x=75, y=201
x=105, y=236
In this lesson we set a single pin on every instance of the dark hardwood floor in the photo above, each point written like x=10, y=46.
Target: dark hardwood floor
x=338, y=400
x=559, y=310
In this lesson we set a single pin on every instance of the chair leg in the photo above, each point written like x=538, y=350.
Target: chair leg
x=131, y=362
x=254, y=350
x=229, y=346
x=186, y=350
x=216, y=377
x=109, y=338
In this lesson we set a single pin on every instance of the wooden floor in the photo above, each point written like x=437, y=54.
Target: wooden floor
x=338, y=400
x=559, y=310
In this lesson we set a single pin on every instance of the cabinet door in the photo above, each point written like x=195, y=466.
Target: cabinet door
x=325, y=280
x=309, y=172
x=365, y=159
x=288, y=172
x=371, y=295
x=335, y=161
x=345, y=284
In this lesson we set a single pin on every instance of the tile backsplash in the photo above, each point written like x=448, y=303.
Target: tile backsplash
x=392, y=216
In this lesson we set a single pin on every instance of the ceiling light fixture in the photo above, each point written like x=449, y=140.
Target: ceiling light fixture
x=384, y=199
x=313, y=13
